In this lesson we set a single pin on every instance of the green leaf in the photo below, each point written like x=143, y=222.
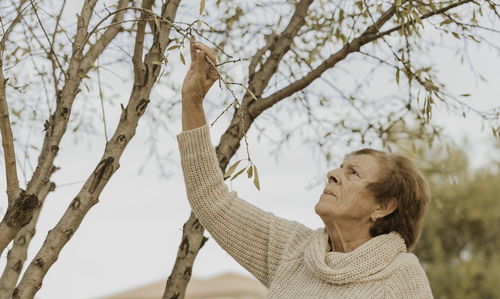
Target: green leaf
x=397, y=76
x=447, y=21
x=256, y=178
x=250, y=171
x=231, y=169
x=156, y=62
x=198, y=23
x=182, y=58
x=238, y=173
x=173, y=47
x=202, y=6
x=465, y=95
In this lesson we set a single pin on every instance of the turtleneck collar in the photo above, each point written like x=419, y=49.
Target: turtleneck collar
x=369, y=261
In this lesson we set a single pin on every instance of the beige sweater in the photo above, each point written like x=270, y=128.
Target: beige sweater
x=291, y=260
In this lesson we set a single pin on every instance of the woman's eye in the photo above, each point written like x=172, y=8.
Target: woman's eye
x=354, y=172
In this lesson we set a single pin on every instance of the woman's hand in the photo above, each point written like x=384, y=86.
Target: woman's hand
x=201, y=74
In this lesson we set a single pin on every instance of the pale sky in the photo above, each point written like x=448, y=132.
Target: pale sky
x=130, y=238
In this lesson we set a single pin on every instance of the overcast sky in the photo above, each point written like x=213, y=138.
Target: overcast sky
x=130, y=237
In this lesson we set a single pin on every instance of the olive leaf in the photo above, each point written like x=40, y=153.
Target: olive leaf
x=238, y=173
x=256, y=178
x=231, y=169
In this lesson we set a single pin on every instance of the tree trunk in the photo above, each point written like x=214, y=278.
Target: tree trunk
x=17, y=254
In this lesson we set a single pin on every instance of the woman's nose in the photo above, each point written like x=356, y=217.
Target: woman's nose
x=333, y=176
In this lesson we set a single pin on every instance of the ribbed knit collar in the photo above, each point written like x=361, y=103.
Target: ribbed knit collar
x=369, y=261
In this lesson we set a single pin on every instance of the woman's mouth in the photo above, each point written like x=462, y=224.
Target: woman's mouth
x=328, y=192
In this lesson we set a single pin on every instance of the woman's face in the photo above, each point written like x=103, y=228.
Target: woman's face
x=345, y=197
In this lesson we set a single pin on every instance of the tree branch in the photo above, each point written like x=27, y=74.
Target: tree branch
x=12, y=25
x=89, y=193
x=192, y=241
x=7, y=142
x=425, y=16
x=18, y=253
x=241, y=121
x=21, y=211
x=105, y=39
x=54, y=76
x=369, y=35
x=52, y=52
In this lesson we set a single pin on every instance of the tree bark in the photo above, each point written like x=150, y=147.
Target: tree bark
x=192, y=241
x=17, y=254
x=21, y=212
x=145, y=75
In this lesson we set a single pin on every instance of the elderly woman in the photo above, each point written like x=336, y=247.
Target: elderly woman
x=372, y=207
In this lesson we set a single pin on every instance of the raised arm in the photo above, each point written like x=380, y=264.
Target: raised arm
x=256, y=239
x=199, y=78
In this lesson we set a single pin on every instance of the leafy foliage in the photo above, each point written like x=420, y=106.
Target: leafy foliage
x=460, y=244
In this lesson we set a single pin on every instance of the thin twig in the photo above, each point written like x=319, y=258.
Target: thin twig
x=58, y=19
x=102, y=100
x=52, y=52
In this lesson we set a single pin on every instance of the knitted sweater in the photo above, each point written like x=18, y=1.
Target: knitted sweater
x=291, y=260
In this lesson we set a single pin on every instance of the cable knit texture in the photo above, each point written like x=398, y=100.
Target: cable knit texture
x=291, y=260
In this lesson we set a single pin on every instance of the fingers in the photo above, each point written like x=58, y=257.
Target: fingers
x=200, y=60
x=209, y=51
x=192, y=48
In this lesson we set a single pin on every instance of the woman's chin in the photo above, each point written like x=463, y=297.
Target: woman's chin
x=321, y=207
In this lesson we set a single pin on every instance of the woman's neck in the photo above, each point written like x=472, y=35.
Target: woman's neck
x=346, y=238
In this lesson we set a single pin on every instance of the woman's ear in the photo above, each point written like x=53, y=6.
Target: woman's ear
x=385, y=208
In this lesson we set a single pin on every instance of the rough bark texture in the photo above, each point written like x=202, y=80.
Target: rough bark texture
x=21, y=212
x=146, y=74
x=7, y=231
x=192, y=241
x=17, y=254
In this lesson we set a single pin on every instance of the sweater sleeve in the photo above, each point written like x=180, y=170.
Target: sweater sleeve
x=254, y=238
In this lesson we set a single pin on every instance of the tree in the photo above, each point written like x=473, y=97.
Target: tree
x=459, y=245
x=295, y=52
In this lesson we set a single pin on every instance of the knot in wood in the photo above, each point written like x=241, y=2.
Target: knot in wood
x=54, y=149
x=68, y=233
x=38, y=262
x=102, y=173
x=18, y=266
x=141, y=107
x=21, y=240
x=184, y=246
x=187, y=273
x=64, y=112
x=121, y=140
x=196, y=225
x=75, y=204
x=22, y=211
